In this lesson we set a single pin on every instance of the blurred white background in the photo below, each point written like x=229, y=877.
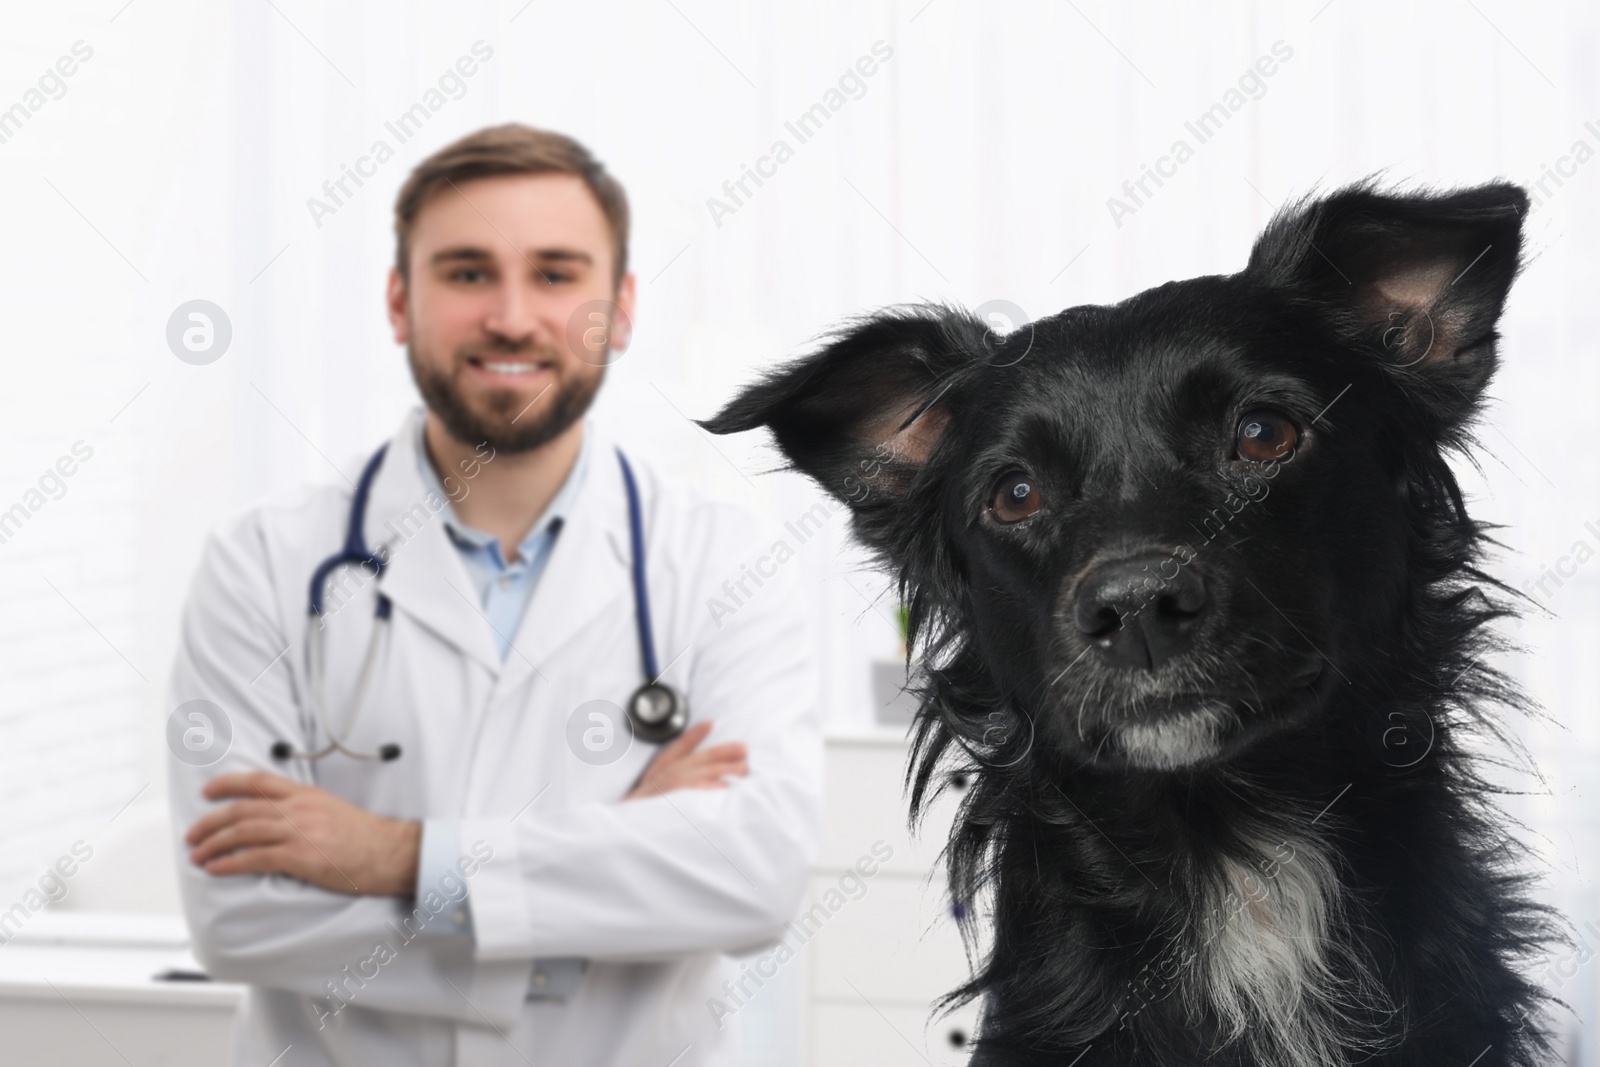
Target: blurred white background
x=976, y=163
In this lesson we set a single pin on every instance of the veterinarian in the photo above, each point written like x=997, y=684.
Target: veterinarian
x=468, y=775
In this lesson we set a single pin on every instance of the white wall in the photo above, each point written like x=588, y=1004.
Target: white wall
x=976, y=164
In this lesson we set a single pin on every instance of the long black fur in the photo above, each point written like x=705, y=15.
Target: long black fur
x=1096, y=885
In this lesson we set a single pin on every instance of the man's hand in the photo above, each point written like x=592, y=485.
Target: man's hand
x=679, y=766
x=286, y=827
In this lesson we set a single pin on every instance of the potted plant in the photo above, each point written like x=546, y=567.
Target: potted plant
x=892, y=704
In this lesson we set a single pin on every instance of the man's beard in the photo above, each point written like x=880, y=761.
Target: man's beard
x=506, y=428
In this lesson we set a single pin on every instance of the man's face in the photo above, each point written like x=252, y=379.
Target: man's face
x=510, y=314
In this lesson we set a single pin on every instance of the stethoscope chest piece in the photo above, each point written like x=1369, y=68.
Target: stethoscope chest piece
x=657, y=713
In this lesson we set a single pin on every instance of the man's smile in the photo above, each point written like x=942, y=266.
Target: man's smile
x=510, y=372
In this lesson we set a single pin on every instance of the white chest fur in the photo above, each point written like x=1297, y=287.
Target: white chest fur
x=1265, y=965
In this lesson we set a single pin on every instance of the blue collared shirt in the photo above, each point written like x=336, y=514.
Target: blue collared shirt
x=504, y=590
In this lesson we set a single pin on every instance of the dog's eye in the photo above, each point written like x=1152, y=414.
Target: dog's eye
x=1265, y=435
x=1016, y=496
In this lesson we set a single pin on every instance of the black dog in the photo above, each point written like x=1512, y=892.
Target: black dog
x=1199, y=603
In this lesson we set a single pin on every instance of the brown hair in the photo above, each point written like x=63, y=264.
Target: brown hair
x=510, y=149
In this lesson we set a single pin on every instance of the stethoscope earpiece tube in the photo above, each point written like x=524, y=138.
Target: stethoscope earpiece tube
x=354, y=553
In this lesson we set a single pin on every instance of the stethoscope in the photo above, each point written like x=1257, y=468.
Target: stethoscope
x=656, y=711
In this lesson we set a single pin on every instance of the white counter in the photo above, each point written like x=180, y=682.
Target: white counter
x=80, y=990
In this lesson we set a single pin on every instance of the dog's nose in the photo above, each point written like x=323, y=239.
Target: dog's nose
x=1140, y=611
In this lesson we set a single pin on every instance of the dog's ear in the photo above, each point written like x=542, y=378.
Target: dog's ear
x=1419, y=281
x=863, y=414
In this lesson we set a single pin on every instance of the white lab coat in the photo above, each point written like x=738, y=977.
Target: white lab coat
x=651, y=892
